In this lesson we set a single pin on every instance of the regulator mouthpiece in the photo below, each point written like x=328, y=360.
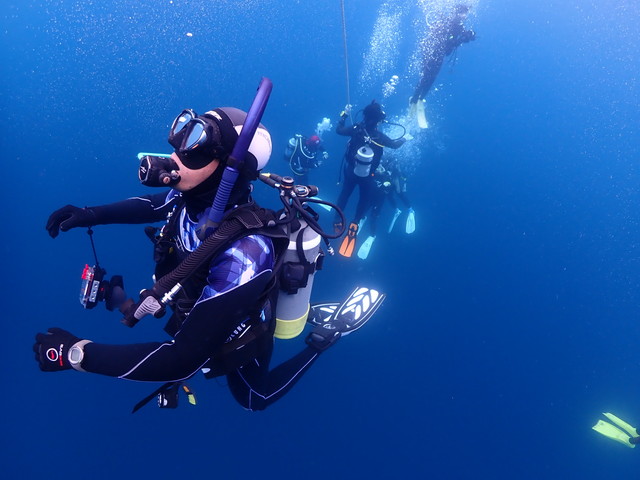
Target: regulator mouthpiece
x=158, y=171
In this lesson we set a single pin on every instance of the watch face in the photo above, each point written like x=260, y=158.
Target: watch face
x=75, y=355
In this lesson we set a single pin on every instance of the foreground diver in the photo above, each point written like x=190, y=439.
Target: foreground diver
x=223, y=318
x=618, y=430
x=363, y=155
x=444, y=37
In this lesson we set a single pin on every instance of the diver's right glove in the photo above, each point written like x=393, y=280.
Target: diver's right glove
x=52, y=349
x=69, y=217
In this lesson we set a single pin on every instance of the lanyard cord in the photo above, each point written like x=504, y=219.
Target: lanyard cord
x=93, y=247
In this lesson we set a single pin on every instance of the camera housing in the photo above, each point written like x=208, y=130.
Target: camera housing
x=95, y=288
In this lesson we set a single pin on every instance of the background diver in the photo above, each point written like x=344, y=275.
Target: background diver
x=229, y=297
x=363, y=155
x=444, y=37
x=304, y=154
x=390, y=183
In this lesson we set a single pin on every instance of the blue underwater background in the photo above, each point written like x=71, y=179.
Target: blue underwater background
x=511, y=320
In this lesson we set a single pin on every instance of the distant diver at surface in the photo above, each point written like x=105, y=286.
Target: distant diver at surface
x=618, y=430
x=443, y=39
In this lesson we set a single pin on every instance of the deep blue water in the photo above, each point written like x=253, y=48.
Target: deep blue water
x=511, y=318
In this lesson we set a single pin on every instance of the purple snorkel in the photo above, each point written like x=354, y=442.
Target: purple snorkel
x=236, y=159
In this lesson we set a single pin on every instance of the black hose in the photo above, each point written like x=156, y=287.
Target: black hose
x=93, y=247
x=311, y=221
x=398, y=125
x=197, y=258
x=292, y=206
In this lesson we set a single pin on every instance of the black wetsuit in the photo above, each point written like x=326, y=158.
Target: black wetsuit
x=362, y=135
x=444, y=39
x=389, y=184
x=225, y=301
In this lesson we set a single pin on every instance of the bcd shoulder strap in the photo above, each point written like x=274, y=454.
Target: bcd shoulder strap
x=248, y=219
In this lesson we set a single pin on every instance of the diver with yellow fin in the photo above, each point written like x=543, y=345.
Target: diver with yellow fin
x=445, y=36
x=618, y=430
x=363, y=155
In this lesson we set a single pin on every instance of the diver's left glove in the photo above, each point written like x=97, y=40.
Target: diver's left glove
x=59, y=350
x=69, y=217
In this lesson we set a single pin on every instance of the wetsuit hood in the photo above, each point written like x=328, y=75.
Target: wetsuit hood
x=199, y=198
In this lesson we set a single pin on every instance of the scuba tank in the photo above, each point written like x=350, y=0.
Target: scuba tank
x=291, y=146
x=295, y=153
x=364, y=158
x=301, y=260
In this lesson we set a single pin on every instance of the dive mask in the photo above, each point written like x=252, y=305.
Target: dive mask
x=196, y=139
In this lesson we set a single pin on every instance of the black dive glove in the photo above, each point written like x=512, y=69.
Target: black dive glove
x=321, y=338
x=52, y=349
x=69, y=217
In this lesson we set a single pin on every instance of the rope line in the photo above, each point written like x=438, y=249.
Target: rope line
x=346, y=55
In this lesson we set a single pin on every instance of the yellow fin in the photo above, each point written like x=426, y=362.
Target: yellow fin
x=412, y=110
x=612, y=432
x=621, y=423
x=421, y=115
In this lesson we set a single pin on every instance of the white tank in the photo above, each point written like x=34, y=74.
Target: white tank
x=292, y=309
x=364, y=158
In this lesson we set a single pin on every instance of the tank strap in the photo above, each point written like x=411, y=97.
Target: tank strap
x=294, y=275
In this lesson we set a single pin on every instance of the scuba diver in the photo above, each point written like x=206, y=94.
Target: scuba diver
x=363, y=155
x=218, y=256
x=390, y=183
x=444, y=38
x=398, y=188
x=304, y=154
x=618, y=430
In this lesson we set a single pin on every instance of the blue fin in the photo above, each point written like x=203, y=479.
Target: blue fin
x=396, y=214
x=410, y=226
x=363, y=251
